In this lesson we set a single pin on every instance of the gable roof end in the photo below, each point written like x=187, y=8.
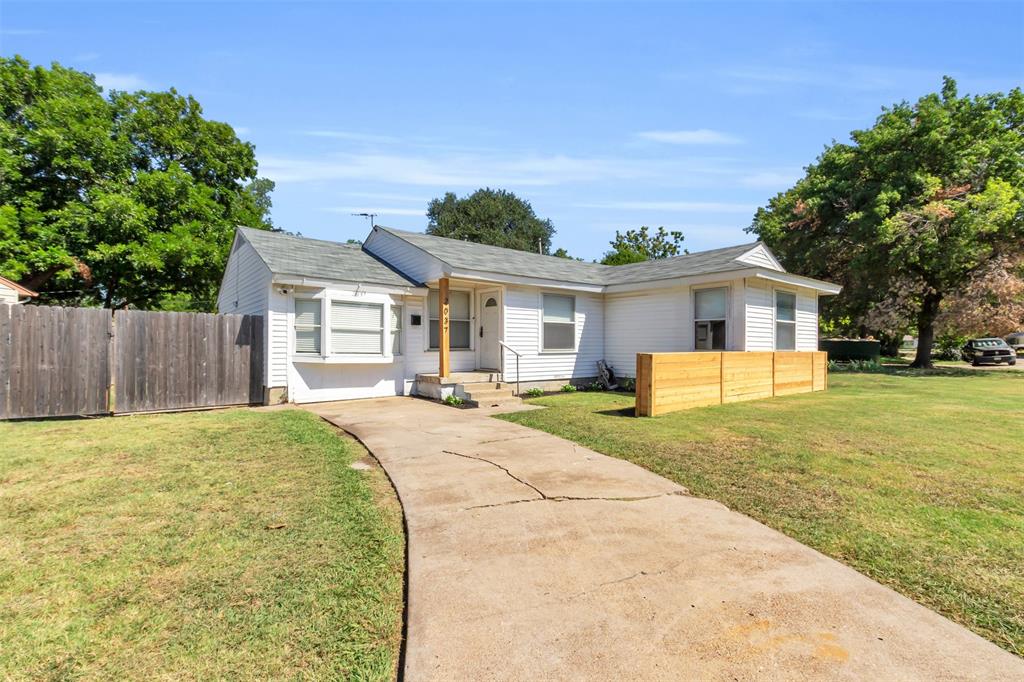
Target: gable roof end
x=24, y=291
x=286, y=254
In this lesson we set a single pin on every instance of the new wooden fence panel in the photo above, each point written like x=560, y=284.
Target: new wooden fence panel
x=168, y=361
x=794, y=373
x=54, y=362
x=667, y=382
x=747, y=376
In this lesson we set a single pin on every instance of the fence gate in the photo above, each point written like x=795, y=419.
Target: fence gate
x=53, y=361
x=169, y=361
x=57, y=362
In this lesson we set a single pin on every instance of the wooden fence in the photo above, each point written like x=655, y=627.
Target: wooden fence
x=57, y=362
x=667, y=382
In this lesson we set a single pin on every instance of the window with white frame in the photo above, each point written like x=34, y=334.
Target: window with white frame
x=396, y=329
x=710, y=310
x=559, y=332
x=357, y=328
x=785, y=320
x=459, y=320
x=307, y=326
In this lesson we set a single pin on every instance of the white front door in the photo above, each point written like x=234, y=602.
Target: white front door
x=490, y=329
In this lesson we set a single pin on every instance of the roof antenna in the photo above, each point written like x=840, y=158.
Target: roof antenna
x=540, y=245
x=371, y=216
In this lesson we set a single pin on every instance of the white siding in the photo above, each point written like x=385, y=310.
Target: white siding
x=760, y=314
x=523, y=333
x=653, y=322
x=8, y=295
x=317, y=383
x=246, y=282
x=806, y=319
x=403, y=256
x=419, y=360
x=760, y=256
x=279, y=341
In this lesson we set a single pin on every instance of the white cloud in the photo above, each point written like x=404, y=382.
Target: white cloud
x=699, y=136
x=377, y=211
x=674, y=206
x=351, y=136
x=461, y=170
x=120, y=81
x=771, y=179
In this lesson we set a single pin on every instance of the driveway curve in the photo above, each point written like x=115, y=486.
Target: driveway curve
x=531, y=557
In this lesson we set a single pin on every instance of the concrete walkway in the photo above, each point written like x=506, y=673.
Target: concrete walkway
x=534, y=558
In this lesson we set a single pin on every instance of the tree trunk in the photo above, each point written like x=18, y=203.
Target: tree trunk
x=926, y=331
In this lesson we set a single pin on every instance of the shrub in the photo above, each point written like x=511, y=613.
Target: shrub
x=595, y=386
x=568, y=388
x=949, y=347
x=854, y=366
x=627, y=384
x=454, y=401
x=534, y=392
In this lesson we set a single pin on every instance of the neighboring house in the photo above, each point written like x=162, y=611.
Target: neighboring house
x=13, y=293
x=350, y=321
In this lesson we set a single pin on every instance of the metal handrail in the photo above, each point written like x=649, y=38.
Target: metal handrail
x=518, y=355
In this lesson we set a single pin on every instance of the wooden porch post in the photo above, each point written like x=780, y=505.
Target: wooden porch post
x=443, y=328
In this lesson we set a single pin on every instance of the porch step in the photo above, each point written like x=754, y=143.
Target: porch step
x=495, y=402
x=489, y=394
x=479, y=376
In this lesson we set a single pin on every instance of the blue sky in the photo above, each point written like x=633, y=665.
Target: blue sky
x=604, y=116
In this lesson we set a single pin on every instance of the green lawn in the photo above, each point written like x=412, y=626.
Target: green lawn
x=233, y=544
x=916, y=479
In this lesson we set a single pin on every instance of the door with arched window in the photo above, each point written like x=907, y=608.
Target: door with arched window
x=490, y=329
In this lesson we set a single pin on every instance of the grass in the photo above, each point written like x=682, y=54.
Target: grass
x=233, y=544
x=914, y=478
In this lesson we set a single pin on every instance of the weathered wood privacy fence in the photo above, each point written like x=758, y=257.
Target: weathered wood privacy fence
x=57, y=362
x=667, y=382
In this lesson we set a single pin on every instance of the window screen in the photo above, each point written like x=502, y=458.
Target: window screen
x=559, y=322
x=357, y=328
x=307, y=326
x=785, y=321
x=710, y=308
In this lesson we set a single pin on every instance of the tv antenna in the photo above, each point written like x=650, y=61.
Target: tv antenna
x=371, y=216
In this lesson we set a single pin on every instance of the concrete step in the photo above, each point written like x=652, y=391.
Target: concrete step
x=495, y=402
x=482, y=385
x=488, y=393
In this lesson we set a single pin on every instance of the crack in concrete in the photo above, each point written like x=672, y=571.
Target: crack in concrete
x=502, y=440
x=549, y=498
x=570, y=498
x=495, y=464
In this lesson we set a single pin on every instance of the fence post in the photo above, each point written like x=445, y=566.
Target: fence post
x=111, y=363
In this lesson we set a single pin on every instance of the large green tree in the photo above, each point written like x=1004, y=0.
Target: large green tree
x=490, y=216
x=636, y=246
x=123, y=199
x=911, y=213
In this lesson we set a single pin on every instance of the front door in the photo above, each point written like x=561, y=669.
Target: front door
x=490, y=329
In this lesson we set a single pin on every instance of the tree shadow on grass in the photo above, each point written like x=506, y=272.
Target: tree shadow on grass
x=629, y=411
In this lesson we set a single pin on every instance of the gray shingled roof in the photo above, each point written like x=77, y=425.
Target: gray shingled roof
x=286, y=254
x=471, y=256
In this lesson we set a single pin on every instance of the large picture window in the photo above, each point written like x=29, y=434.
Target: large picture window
x=357, y=328
x=785, y=320
x=559, y=322
x=459, y=322
x=710, y=310
x=307, y=326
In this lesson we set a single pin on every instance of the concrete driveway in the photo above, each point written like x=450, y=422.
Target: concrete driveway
x=531, y=557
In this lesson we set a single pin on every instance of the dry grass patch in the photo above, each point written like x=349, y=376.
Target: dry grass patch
x=228, y=544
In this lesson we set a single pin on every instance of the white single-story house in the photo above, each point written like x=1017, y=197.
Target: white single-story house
x=357, y=321
x=13, y=293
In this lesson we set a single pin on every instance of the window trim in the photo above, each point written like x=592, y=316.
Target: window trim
x=776, y=321
x=470, y=320
x=575, y=326
x=724, y=320
x=380, y=330
x=296, y=327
